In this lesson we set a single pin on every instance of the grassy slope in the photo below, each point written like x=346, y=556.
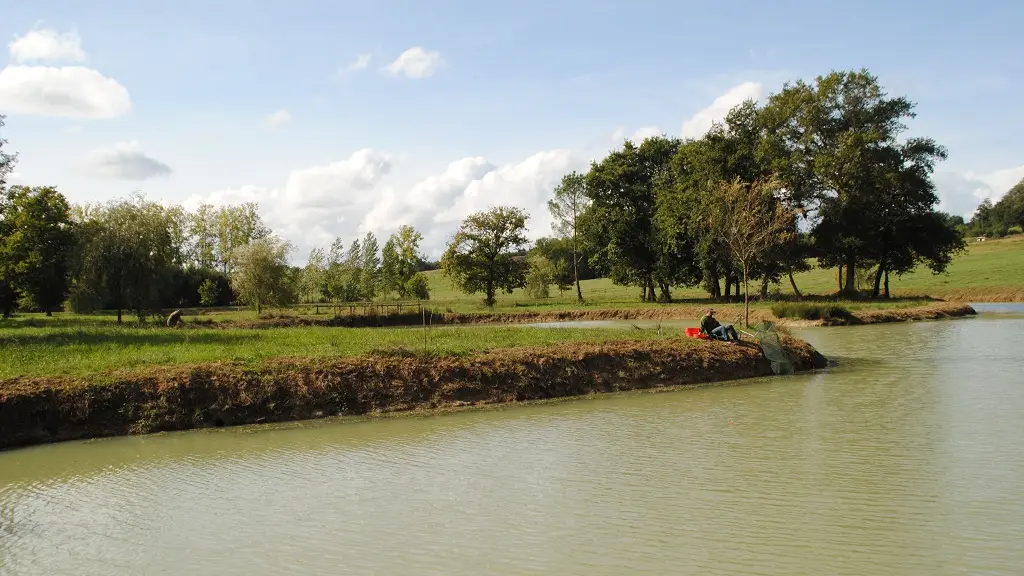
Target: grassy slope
x=992, y=270
x=77, y=346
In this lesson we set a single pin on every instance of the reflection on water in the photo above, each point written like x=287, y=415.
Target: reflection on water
x=906, y=458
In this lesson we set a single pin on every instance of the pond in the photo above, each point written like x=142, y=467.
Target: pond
x=907, y=457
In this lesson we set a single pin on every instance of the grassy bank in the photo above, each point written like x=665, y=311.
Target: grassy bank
x=38, y=346
x=54, y=408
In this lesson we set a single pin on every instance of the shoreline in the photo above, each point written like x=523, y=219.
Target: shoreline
x=674, y=312
x=53, y=409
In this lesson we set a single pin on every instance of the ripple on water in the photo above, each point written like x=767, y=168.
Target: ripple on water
x=907, y=458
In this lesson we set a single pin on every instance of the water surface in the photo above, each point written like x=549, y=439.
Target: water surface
x=906, y=458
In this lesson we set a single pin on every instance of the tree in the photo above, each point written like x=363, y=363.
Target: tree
x=208, y=292
x=567, y=207
x=40, y=245
x=313, y=279
x=370, y=262
x=202, y=228
x=540, y=275
x=262, y=273
x=8, y=294
x=620, y=223
x=752, y=222
x=480, y=257
x=237, y=226
x=128, y=255
x=418, y=287
x=390, y=269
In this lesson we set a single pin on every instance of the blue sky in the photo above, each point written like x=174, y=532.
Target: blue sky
x=493, y=103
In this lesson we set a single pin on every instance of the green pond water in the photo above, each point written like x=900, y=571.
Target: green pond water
x=905, y=458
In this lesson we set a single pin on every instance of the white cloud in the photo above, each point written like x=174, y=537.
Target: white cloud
x=348, y=198
x=636, y=137
x=15, y=178
x=415, y=62
x=278, y=119
x=125, y=161
x=360, y=63
x=66, y=92
x=701, y=122
x=46, y=45
x=960, y=193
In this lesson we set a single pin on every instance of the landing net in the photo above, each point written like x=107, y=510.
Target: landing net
x=768, y=338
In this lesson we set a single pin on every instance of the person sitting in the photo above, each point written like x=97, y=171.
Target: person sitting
x=711, y=327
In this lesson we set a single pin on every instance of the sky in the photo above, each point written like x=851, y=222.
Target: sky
x=345, y=117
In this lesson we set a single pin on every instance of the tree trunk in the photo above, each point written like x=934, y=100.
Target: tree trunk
x=746, y=297
x=851, y=276
x=643, y=293
x=728, y=287
x=792, y=283
x=49, y=313
x=887, y=283
x=119, y=314
x=878, y=281
x=651, y=296
x=716, y=288
x=259, y=308
x=764, y=288
x=839, y=276
x=666, y=293
x=575, y=269
x=489, y=300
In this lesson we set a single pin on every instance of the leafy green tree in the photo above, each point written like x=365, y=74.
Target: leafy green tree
x=620, y=223
x=400, y=262
x=128, y=255
x=8, y=295
x=262, y=274
x=370, y=263
x=202, y=230
x=481, y=256
x=390, y=268
x=418, y=287
x=208, y=292
x=40, y=245
x=313, y=278
x=539, y=277
x=568, y=207
x=236, y=226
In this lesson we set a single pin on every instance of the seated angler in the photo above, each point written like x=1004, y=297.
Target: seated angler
x=709, y=326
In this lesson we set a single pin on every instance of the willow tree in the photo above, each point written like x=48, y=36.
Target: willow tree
x=752, y=222
x=261, y=272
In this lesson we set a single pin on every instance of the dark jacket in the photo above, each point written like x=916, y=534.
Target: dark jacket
x=707, y=324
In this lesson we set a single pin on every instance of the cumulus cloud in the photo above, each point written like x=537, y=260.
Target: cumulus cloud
x=416, y=62
x=698, y=124
x=960, y=193
x=360, y=63
x=58, y=91
x=278, y=119
x=125, y=161
x=349, y=198
x=46, y=45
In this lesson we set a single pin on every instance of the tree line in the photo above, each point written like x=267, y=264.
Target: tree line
x=820, y=172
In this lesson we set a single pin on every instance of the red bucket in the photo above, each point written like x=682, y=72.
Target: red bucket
x=694, y=333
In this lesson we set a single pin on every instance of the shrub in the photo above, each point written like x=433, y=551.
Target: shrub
x=418, y=286
x=808, y=311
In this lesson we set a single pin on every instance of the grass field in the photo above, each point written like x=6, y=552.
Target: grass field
x=33, y=346
x=988, y=271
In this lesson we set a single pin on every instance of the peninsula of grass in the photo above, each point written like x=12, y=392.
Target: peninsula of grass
x=292, y=374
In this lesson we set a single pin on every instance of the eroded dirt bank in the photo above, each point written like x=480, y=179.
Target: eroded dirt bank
x=40, y=410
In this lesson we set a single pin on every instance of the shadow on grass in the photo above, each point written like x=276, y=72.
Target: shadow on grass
x=126, y=338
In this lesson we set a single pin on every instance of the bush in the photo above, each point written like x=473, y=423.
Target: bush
x=418, y=286
x=1015, y=230
x=808, y=311
x=540, y=276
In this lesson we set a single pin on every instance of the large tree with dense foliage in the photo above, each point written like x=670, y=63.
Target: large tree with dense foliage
x=621, y=221
x=262, y=275
x=482, y=255
x=128, y=255
x=40, y=244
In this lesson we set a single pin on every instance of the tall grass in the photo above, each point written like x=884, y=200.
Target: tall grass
x=70, y=348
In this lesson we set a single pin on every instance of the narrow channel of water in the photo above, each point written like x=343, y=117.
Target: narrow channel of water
x=906, y=458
